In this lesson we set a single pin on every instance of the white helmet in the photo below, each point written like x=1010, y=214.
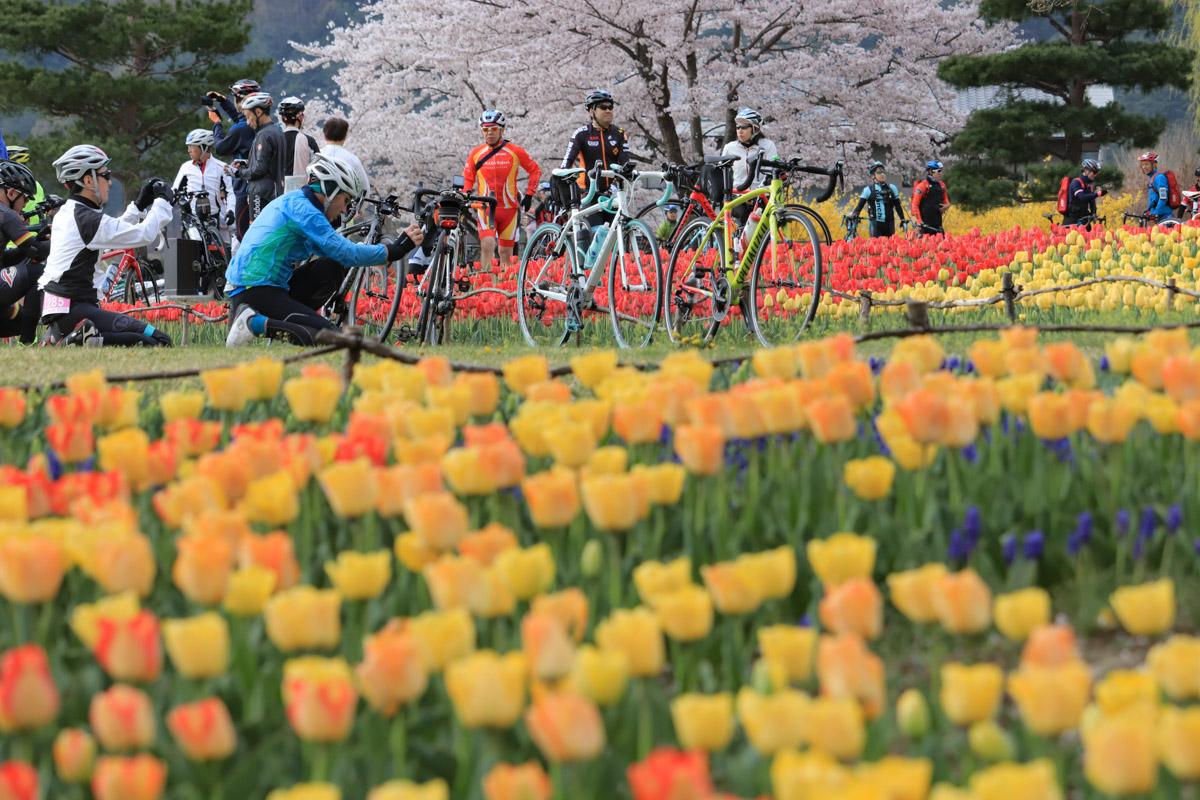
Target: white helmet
x=200, y=137
x=256, y=100
x=80, y=160
x=335, y=174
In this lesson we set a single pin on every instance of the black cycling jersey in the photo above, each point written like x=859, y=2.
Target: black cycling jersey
x=1081, y=198
x=591, y=145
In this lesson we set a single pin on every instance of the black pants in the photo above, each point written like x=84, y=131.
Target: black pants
x=880, y=229
x=16, y=283
x=292, y=314
x=242, y=215
x=116, y=329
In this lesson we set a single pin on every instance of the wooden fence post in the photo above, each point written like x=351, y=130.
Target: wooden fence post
x=918, y=315
x=864, y=311
x=187, y=326
x=1171, y=293
x=351, y=356
x=1010, y=296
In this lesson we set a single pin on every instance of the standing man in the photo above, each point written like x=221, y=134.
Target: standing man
x=264, y=174
x=883, y=202
x=598, y=142
x=667, y=227
x=202, y=170
x=300, y=146
x=1082, y=194
x=335, y=130
x=23, y=260
x=491, y=171
x=1158, y=188
x=930, y=200
x=235, y=144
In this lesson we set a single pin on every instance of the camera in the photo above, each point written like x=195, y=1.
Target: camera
x=207, y=101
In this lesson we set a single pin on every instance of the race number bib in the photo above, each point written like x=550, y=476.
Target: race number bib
x=53, y=304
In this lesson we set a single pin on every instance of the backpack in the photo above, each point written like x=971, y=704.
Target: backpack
x=1174, y=196
x=1064, y=194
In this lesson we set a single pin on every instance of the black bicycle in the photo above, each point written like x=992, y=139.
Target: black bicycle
x=200, y=224
x=1148, y=221
x=443, y=282
x=369, y=297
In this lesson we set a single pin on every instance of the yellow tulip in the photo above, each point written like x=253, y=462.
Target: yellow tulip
x=198, y=646
x=841, y=557
x=636, y=634
x=703, y=722
x=870, y=478
x=1051, y=699
x=1019, y=613
x=1145, y=610
x=360, y=576
x=970, y=694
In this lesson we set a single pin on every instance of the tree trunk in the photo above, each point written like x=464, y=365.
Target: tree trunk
x=1077, y=96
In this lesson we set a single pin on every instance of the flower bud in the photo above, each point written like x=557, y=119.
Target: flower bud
x=591, y=560
x=912, y=714
x=989, y=742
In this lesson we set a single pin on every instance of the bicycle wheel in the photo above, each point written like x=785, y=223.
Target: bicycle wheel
x=374, y=300
x=690, y=280
x=785, y=278
x=216, y=262
x=818, y=222
x=431, y=291
x=635, y=287
x=141, y=288
x=542, y=287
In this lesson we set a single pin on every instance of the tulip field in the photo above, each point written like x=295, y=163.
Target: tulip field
x=813, y=575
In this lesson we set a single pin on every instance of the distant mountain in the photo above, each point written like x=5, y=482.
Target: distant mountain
x=276, y=22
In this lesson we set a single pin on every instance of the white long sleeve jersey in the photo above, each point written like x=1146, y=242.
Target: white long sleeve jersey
x=746, y=155
x=211, y=175
x=82, y=231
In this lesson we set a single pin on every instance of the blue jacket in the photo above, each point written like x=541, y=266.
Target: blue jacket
x=234, y=144
x=1157, y=205
x=291, y=228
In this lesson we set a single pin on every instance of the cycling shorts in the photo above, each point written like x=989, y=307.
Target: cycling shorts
x=505, y=225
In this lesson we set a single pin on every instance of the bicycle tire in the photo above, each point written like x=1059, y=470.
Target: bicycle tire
x=431, y=286
x=800, y=254
x=136, y=291
x=678, y=309
x=630, y=337
x=539, y=328
x=216, y=264
x=826, y=233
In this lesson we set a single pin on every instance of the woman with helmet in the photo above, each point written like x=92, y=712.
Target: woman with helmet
x=1082, y=194
x=749, y=143
x=72, y=279
x=597, y=142
x=930, y=199
x=202, y=169
x=264, y=173
x=883, y=202
x=1158, y=188
x=24, y=256
x=299, y=146
x=268, y=295
x=491, y=171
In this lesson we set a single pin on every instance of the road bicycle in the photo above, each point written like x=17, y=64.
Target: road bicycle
x=130, y=279
x=559, y=280
x=1083, y=222
x=771, y=269
x=850, y=223
x=200, y=224
x=1147, y=221
x=688, y=194
x=447, y=278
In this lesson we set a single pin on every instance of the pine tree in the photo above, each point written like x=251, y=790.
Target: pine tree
x=124, y=75
x=1114, y=42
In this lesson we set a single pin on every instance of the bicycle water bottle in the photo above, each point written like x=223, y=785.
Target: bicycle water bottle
x=749, y=228
x=597, y=243
x=109, y=275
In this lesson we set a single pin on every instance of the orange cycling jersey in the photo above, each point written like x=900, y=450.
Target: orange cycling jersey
x=498, y=175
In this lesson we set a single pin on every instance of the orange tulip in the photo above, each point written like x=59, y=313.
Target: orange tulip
x=485, y=544
x=526, y=781
x=638, y=423
x=28, y=697
x=202, y=568
x=319, y=697
x=569, y=607
x=855, y=606
x=547, y=646
x=392, y=672
x=553, y=498
x=732, y=588
x=31, y=569
x=129, y=649
x=1049, y=646
x=1109, y=421
x=609, y=501
x=700, y=448
x=12, y=407
x=72, y=442
x=963, y=602
x=846, y=668
x=566, y=727
x=274, y=551
x=122, y=718
x=124, y=563
x=455, y=582
x=831, y=419
x=403, y=481
x=1189, y=420
x=74, y=755
x=18, y=781
x=437, y=518
x=1147, y=367
x=853, y=379
x=483, y=389
x=192, y=437
x=139, y=777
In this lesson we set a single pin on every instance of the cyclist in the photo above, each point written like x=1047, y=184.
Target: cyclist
x=491, y=171
x=264, y=173
x=269, y=296
x=203, y=170
x=20, y=155
x=71, y=281
x=598, y=142
x=300, y=146
x=1157, y=187
x=930, y=199
x=1082, y=194
x=23, y=261
x=1191, y=205
x=234, y=144
x=668, y=225
x=883, y=198
x=749, y=143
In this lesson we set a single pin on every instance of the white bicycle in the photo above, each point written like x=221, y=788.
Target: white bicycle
x=563, y=267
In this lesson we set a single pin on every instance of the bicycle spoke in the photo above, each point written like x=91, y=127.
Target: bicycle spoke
x=785, y=279
x=634, y=289
x=689, y=304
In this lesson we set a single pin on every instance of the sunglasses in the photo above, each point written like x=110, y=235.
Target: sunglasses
x=486, y=128
x=604, y=107
x=744, y=127
x=108, y=176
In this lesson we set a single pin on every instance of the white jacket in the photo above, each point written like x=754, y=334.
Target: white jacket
x=745, y=154
x=211, y=175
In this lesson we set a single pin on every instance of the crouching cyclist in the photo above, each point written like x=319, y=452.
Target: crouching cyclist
x=20, y=305
x=71, y=280
x=269, y=295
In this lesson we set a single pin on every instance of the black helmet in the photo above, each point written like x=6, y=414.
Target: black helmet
x=291, y=108
x=598, y=96
x=244, y=87
x=1092, y=164
x=17, y=176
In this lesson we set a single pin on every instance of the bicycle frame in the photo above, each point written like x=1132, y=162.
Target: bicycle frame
x=737, y=277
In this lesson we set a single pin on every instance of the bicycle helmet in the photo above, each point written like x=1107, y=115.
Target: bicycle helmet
x=751, y=116
x=17, y=176
x=18, y=154
x=290, y=108
x=545, y=185
x=200, y=137
x=492, y=118
x=244, y=87
x=1197, y=173
x=257, y=100
x=933, y=166
x=1092, y=164
x=876, y=166
x=1148, y=156
x=333, y=174
x=598, y=96
x=80, y=160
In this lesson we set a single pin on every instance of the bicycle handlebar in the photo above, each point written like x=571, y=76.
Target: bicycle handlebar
x=448, y=194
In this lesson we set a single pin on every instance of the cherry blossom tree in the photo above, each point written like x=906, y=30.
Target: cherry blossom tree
x=834, y=79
